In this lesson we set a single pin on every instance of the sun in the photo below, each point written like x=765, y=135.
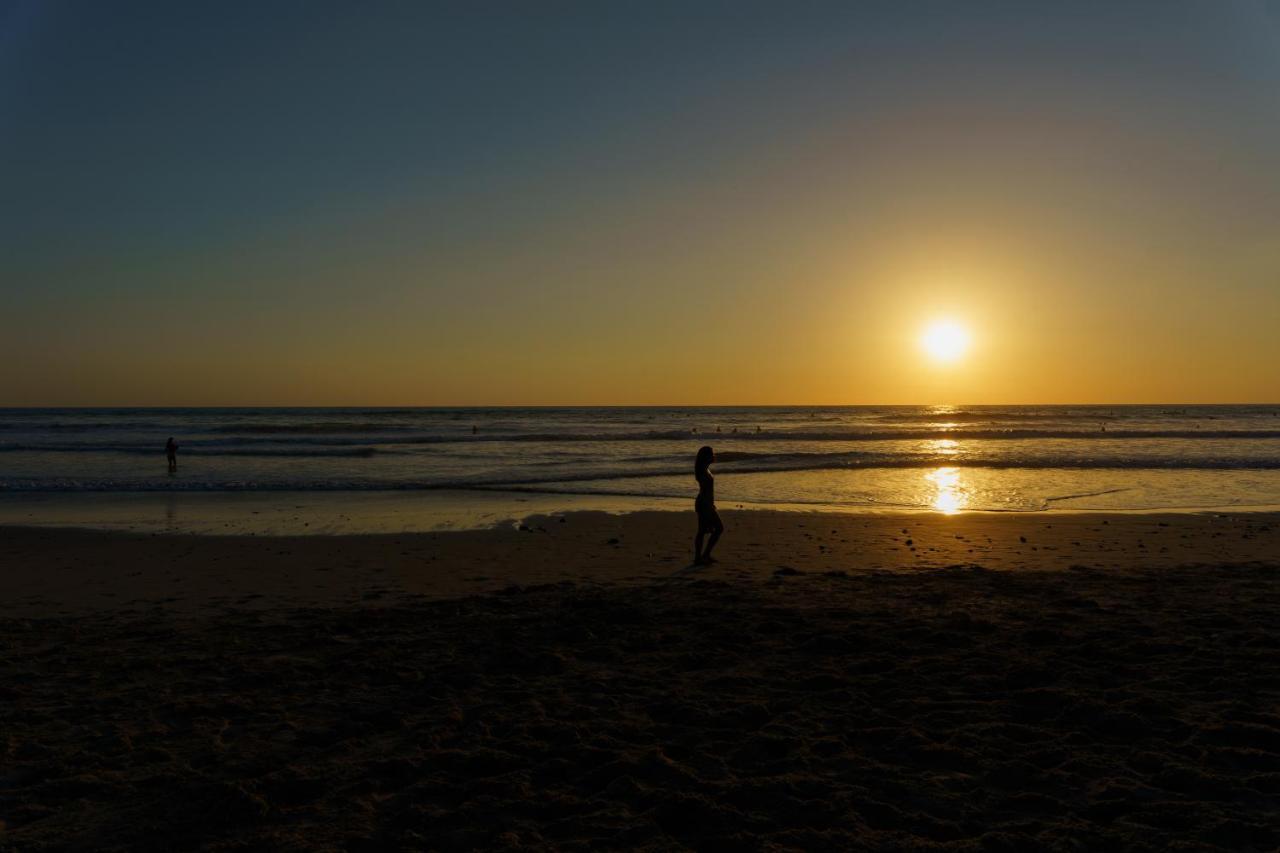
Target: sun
x=945, y=340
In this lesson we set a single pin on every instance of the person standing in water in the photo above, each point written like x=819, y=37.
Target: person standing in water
x=705, y=506
x=171, y=450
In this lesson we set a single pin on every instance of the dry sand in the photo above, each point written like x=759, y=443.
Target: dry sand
x=835, y=682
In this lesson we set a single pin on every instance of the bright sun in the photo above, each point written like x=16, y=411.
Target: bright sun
x=945, y=340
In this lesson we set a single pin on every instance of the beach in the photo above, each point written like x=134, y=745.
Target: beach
x=873, y=681
x=70, y=571
x=624, y=426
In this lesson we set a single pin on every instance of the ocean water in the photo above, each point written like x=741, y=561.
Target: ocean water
x=939, y=458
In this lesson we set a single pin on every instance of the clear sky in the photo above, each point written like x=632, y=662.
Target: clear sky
x=280, y=203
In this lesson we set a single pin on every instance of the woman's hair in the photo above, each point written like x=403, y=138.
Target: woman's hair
x=703, y=458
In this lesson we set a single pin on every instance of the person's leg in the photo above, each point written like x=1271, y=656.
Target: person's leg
x=717, y=527
x=697, y=545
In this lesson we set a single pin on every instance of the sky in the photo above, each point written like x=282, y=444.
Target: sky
x=556, y=203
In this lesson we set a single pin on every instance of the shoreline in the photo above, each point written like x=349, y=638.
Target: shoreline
x=289, y=513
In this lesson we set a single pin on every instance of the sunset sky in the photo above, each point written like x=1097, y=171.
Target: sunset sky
x=637, y=203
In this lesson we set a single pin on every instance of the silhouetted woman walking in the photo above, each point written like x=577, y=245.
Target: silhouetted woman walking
x=705, y=506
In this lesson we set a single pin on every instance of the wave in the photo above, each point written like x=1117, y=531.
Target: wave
x=23, y=484
x=870, y=435
x=186, y=450
x=1100, y=492
x=843, y=435
x=1092, y=414
x=859, y=435
x=748, y=463
x=336, y=452
x=783, y=466
x=104, y=426
x=821, y=463
x=307, y=429
x=367, y=432
x=673, y=462
x=995, y=415
x=853, y=435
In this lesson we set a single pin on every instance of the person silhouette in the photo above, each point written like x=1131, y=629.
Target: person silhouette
x=171, y=450
x=705, y=505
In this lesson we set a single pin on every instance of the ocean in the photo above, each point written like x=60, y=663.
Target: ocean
x=856, y=458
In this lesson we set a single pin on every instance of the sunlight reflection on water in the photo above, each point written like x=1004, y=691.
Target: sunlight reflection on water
x=951, y=495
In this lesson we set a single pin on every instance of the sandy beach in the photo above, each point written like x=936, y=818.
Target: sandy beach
x=972, y=682
x=371, y=371
x=64, y=572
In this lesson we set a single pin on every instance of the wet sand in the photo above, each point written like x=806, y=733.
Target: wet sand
x=970, y=682
x=54, y=571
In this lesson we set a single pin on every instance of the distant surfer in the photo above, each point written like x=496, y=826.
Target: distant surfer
x=705, y=506
x=171, y=451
